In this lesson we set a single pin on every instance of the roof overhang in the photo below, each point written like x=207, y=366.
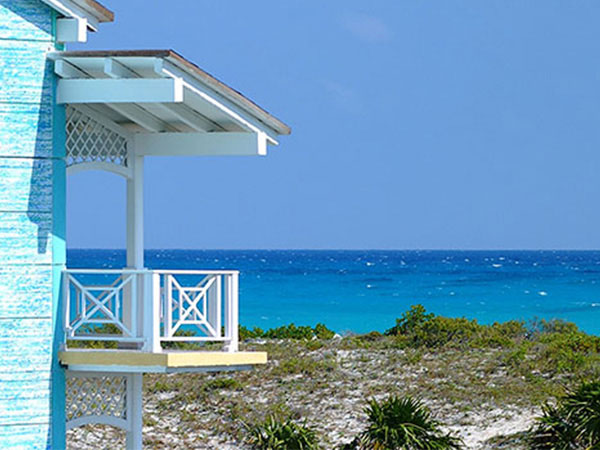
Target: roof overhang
x=88, y=11
x=158, y=91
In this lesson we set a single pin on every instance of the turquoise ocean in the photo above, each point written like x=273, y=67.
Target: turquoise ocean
x=360, y=291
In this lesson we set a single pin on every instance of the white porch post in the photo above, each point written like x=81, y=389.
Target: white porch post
x=135, y=212
x=135, y=240
x=135, y=260
x=134, y=410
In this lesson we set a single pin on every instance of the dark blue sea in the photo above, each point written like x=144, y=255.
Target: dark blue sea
x=361, y=291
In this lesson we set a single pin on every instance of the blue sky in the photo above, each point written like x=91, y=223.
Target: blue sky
x=416, y=124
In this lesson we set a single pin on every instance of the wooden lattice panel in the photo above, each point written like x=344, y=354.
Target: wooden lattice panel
x=90, y=141
x=92, y=397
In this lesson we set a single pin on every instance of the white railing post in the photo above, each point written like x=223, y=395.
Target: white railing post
x=168, y=306
x=128, y=300
x=66, y=307
x=231, y=312
x=133, y=305
x=214, y=305
x=152, y=312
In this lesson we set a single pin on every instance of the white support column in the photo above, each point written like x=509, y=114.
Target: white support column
x=135, y=211
x=135, y=260
x=134, y=412
x=134, y=298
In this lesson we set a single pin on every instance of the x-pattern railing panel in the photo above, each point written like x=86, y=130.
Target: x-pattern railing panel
x=190, y=305
x=99, y=304
x=149, y=307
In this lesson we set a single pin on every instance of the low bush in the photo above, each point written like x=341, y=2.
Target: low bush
x=305, y=365
x=291, y=331
x=402, y=424
x=418, y=328
x=246, y=333
x=230, y=384
x=569, y=350
x=573, y=422
x=285, y=434
x=104, y=330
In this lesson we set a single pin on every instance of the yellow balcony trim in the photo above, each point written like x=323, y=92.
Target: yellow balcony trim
x=166, y=360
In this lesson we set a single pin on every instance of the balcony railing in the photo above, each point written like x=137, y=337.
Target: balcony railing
x=143, y=309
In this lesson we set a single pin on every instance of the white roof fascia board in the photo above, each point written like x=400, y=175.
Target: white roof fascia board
x=69, y=9
x=119, y=90
x=200, y=144
x=167, y=69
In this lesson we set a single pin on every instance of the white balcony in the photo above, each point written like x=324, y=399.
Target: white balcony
x=141, y=311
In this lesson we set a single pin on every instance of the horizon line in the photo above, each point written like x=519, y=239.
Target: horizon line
x=354, y=249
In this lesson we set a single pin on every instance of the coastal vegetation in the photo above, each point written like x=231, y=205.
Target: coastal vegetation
x=570, y=422
x=483, y=384
x=285, y=434
x=401, y=423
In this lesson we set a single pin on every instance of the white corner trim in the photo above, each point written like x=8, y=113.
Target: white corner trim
x=71, y=30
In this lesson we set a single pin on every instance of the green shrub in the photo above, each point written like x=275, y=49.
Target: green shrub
x=105, y=330
x=372, y=336
x=217, y=384
x=569, y=350
x=282, y=435
x=322, y=332
x=410, y=321
x=554, y=326
x=418, y=328
x=291, y=331
x=254, y=333
x=517, y=357
x=573, y=423
x=404, y=423
x=507, y=334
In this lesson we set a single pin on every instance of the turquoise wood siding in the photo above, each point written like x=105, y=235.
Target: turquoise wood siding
x=32, y=250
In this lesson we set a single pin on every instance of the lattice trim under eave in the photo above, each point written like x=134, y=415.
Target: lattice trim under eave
x=90, y=141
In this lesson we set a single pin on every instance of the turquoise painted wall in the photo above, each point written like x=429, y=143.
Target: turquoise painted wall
x=32, y=213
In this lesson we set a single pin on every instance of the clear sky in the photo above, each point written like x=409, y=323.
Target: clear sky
x=416, y=124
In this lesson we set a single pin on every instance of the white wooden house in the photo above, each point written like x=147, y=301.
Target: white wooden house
x=63, y=112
